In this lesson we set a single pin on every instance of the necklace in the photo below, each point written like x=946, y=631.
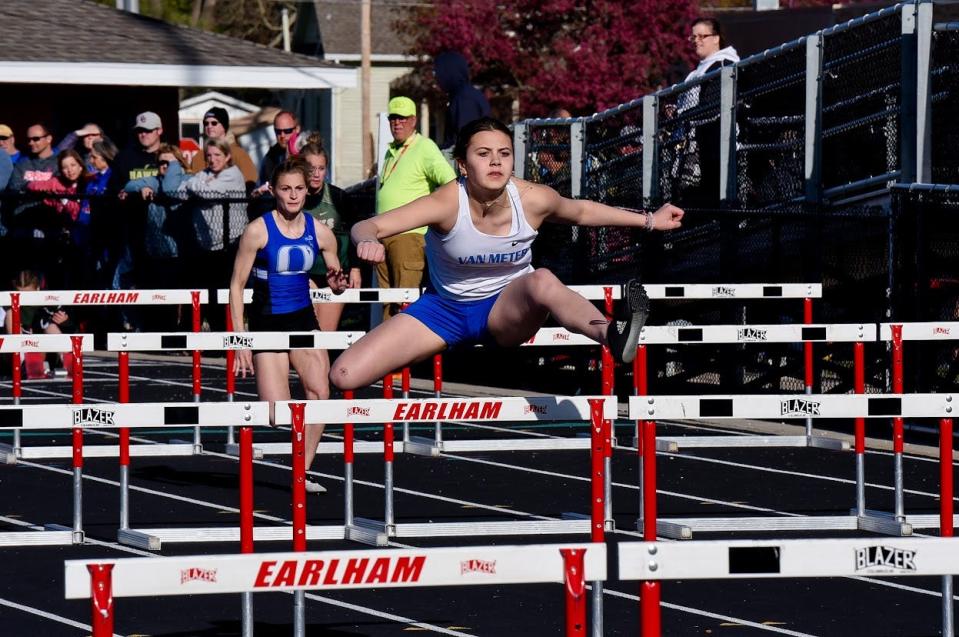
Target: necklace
x=489, y=204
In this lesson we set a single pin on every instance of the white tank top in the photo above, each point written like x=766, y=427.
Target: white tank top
x=466, y=264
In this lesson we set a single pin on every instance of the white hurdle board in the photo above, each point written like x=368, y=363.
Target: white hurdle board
x=521, y=409
x=336, y=570
x=781, y=406
x=735, y=291
x=104, y=297
x=922, y=331
x=22, y=343
x=112, y=415
x=721, y=334
x=220, y=341
x=737, y=559
x=381, y=410
x=354, y=295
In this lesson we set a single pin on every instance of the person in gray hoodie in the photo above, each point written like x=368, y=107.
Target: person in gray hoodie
x=466, y=102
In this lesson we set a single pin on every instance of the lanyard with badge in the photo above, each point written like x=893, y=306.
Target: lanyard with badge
x=392, y=167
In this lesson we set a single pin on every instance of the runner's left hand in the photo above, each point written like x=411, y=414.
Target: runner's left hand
x=337, y=281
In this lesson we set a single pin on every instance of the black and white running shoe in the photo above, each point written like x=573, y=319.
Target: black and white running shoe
x=622, y=333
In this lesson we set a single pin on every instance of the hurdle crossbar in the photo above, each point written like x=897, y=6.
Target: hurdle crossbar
x=381, y=411
x=94, y=416
x=735, y=291
x=568, y=564
x=721, y=334
x=104, y=297
x=377, y=410
x=24, y=343
x=781, y=406
x=224, y=341
x=741, y=559
x=354, y=295
x=922, y=331
x=99, y=416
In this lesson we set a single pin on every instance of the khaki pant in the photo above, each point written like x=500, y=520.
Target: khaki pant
x=403, y=267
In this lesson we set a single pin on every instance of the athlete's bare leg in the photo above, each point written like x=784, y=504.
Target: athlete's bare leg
x=524, y=304
x=313, y=368
x=328, y=315
x=272, y=377
x=394, y=344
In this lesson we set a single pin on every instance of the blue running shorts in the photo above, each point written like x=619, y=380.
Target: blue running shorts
x=459, y=323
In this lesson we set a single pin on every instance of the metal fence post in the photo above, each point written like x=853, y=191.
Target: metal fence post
x=813, y=113
x=519, y=150
x=727, y=134
x=650, y=148
x=576, y=140
x=924, y=28
x=908, y=97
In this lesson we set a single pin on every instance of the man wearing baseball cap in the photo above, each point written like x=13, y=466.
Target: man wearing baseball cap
x=412, y=168
x=216, y=123
x=138, y=160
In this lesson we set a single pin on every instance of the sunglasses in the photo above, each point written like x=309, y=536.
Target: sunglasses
x=284, y=131
x=163, y=163
x=4, y=138
x=36, y=139
x=211, y=122
x=394, y=118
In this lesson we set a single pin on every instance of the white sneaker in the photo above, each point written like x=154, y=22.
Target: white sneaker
x=314, y=487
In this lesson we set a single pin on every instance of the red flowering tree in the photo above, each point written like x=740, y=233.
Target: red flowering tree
x=582, y=56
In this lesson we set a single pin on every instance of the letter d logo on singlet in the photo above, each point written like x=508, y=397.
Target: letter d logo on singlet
x=294, y=258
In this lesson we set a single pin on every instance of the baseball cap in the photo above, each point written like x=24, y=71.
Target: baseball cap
x=219, y=114
x=402, y=106
x=148, y=121
x=5, y=131
x=89, y=129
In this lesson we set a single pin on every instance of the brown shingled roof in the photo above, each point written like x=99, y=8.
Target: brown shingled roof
x=84, y=31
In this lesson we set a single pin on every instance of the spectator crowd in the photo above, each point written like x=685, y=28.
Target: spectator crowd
x=78, y=213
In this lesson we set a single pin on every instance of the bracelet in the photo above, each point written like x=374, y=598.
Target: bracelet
x=650, y=225
x=367, y=241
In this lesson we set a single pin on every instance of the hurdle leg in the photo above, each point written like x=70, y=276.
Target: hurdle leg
x=101, y=599
x=246, y=520
x=406, y=396
x=388, y=512
x=598, y=444
x=575, y=592
x=15, y=451
x=197, y=441
x=649, y=592
x=897, y=425
x=609, y=380
x=860, y=388
x=299, y=510
x=808, y=363
x=357, y=529
x=348, y=467
x=945, y=515
x=438, y=393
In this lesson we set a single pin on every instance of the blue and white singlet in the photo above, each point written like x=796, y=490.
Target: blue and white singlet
x=466, y=264
x=281, y=281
